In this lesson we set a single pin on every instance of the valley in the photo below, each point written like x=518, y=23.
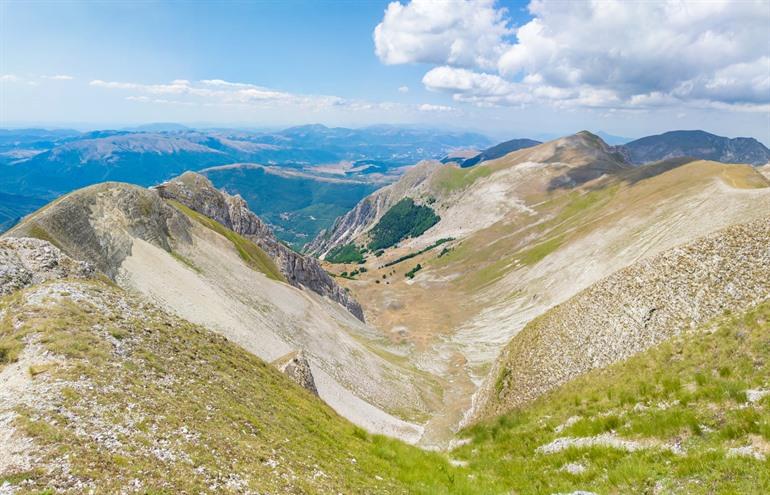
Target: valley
x=460, y=327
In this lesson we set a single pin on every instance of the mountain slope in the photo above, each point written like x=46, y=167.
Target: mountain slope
x=197, y=193
x=696, y=144
x=630, y=311
x=517, y=236
x=208, y=274
x=112, y=394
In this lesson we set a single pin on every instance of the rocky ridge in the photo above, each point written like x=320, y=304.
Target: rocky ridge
x=198, y=193
x=27, y=261
x=629, y=312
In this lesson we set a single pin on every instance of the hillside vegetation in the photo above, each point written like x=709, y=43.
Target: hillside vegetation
x=120, y=395
x=402, y=220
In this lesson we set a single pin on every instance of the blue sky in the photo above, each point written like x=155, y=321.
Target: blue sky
x=505, y=68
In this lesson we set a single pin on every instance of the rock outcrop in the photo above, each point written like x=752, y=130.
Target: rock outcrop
x=296, y=366
x=26, y=261
x=199, y=194
x=629, y=312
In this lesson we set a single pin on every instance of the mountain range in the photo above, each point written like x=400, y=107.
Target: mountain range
x=551, y=319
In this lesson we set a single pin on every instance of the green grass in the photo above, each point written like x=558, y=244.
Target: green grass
x=252, y=254
x=689, y=391
x=218, y=409
x=452, y=178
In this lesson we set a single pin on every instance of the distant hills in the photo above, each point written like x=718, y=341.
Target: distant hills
x=299, y=178
x=499, y=150
x=697, y=144
x=42, y=164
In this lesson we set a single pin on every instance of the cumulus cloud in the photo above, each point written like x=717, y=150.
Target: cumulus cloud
x=608, y=54
x=403, y=89
x=466, y=33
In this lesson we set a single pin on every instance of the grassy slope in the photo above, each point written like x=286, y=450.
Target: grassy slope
x=689, y=391
x=151, y=397
x=165, y=388
x=252, y=254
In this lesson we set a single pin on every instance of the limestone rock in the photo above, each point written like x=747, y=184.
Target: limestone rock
x=199, y=194
x=26, y=261
x=296, y=366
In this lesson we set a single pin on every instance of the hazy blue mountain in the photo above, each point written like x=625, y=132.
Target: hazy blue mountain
x=612, y=139
x=44, y=164
x=696, y=144
x=499, y=150
x=14, y=206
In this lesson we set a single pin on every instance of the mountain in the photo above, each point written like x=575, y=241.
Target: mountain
x=198, y=194
x=612, y=139
x=498, y=151
x=45, y=164
x=696, y=144
x=597, y=327
x=14, y=206
x=296, y=204
x=630, y=311
x=515, y=237
x=245, y=286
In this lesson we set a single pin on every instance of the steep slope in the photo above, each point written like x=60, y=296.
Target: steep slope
x=688, y=416
x=630, y=311
x=517, y=236
x=201, y=270
x=499, y=150
x=696, y=144
x=197, y=193
x=108, y=393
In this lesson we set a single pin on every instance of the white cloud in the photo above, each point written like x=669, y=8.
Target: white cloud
x=9, y=78
x=465, y=33
x=403, y=89
x=427, y=107
x=218, y=92
x=59, y=77
x=589, y=53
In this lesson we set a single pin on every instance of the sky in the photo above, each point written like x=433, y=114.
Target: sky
x=506, y=68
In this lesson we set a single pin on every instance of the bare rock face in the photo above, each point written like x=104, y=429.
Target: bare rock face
x=296, y=366
x=199, y=194
x=25, y=261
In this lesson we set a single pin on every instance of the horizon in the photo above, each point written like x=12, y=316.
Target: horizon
x=512, y=69
x=136, y=127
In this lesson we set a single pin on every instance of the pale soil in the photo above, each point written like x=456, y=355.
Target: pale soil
x=17, y=388
x=271, y=319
